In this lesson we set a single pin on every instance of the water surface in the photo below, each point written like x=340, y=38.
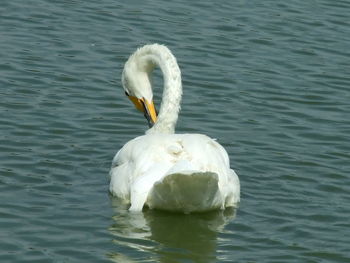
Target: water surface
x=269, y=80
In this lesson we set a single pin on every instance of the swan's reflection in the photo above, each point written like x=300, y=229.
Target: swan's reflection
x=166, y=237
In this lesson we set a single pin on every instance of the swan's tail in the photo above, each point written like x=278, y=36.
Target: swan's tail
x=186, y=192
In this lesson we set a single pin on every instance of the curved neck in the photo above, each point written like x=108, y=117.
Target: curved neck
x=158, y=55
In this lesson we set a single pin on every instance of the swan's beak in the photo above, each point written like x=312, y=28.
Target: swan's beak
x=147, y=107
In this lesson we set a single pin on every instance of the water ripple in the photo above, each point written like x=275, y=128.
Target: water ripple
x=269, y=80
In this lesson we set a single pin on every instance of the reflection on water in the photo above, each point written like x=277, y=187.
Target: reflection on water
x=169, y=236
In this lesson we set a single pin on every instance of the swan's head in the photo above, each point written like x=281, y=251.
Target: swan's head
x=138, y=89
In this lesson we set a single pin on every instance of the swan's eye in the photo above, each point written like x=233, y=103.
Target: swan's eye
x=126, y=93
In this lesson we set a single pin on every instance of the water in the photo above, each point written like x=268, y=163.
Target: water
x=269, y=80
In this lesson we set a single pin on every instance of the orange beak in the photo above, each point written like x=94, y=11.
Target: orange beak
x=147, y=107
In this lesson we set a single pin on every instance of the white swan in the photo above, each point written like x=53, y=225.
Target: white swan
x=163, y=170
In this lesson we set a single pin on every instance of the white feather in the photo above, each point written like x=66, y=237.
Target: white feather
x=163, y=170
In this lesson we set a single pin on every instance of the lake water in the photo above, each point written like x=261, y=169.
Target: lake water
x=269, y=79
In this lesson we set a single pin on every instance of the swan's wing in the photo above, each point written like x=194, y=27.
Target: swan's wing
x=200, y=178
x=207, y=155
x=136, y=167
x=122, y=172
x=234, y=191
x=148, y=160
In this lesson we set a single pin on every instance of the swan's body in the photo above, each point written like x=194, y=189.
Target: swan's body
x=163, y=170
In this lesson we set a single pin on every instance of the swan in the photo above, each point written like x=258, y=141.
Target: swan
x=163, y=170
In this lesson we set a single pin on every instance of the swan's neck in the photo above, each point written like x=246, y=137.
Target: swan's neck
x=158, y=55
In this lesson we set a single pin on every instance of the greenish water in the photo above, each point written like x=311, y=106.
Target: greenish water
x=270, y=80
